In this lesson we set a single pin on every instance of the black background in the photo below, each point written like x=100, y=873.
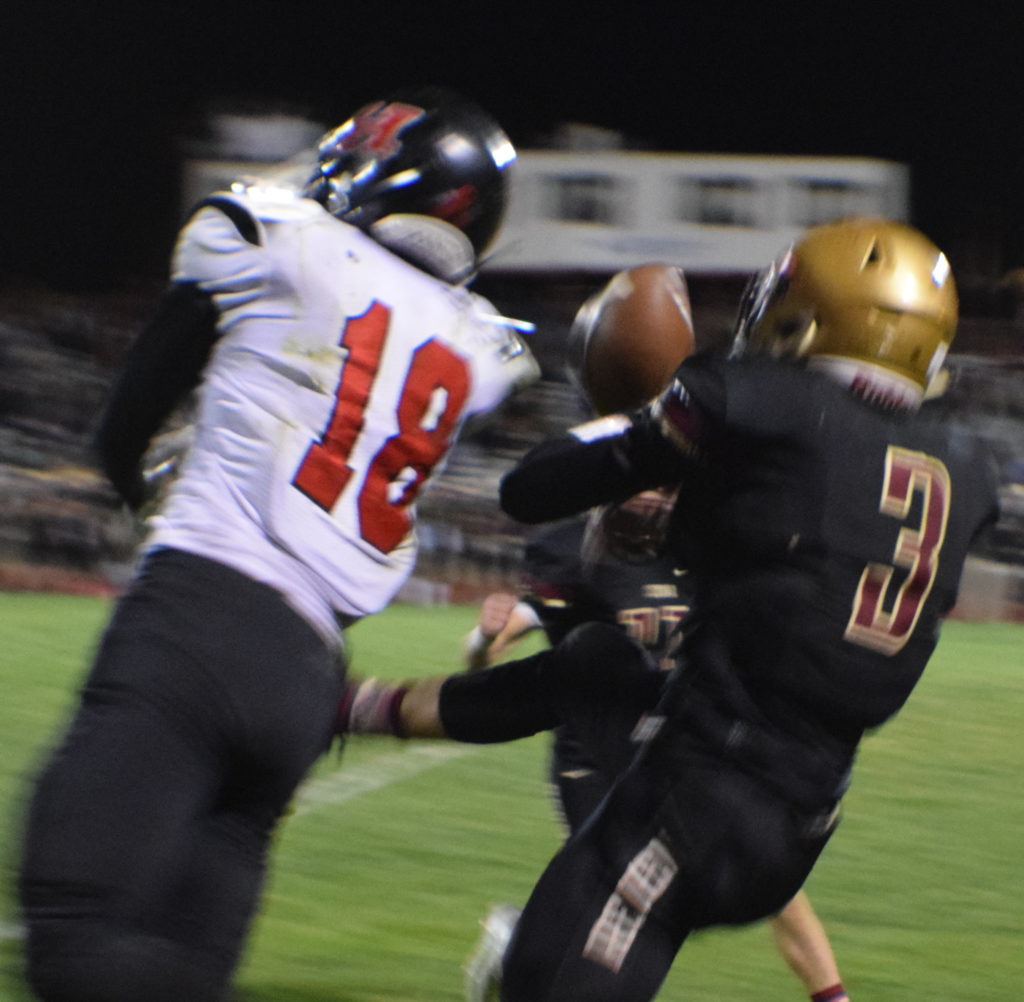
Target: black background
x=95, y=96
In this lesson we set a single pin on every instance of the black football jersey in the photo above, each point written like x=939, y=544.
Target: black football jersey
x=647, y=599
x=827, y=535
x=824, y=535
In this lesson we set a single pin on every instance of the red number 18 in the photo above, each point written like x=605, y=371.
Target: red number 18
x=428, y=407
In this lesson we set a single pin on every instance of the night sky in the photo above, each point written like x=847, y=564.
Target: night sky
x=96, y=94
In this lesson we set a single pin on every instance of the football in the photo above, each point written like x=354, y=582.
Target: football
x=628, y=337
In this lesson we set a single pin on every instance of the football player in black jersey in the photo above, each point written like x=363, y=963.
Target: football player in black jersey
x=606, y=569
x=610, y=568
x=826, y=523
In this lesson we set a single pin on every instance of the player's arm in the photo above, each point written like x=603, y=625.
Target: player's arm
x=503, y=621
x=615, y=457
x=504, y=703
x=522, y=620
x=163, y=365
x=603, y=461
x=218, y=252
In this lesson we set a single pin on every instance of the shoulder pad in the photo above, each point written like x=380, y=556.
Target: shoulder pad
x=244, y=221
x=265, y=203
x=276, y=202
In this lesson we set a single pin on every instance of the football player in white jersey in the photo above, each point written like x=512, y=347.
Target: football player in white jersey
x=334, y=352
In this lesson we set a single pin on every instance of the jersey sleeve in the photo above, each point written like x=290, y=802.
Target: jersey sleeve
x=499, y=370
x=552, y=568
x=163, y=366
x=602, y=461
x=221, y=250
x=614, y=457
x=692, y=406
x=217, y=264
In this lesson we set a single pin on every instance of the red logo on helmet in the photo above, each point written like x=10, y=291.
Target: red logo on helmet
x=456, y=206
x=376, y=127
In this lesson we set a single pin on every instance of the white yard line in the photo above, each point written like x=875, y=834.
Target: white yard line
x=350, y=782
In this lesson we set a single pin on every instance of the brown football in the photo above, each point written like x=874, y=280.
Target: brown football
x=629, y=336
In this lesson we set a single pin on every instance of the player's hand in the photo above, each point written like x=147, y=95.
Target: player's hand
x=494, y=615
x=495, y=612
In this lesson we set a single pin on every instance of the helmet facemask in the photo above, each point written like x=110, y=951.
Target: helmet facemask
x=634, y=531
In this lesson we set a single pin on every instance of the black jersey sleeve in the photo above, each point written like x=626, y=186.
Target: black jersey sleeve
x=163, y=365
x=570, y=473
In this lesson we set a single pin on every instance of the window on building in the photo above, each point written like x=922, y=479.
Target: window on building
x=719, y=201
x=819, y=200
x=584, y=198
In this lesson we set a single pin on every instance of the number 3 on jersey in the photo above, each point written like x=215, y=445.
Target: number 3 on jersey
x=872, y=624
x=427, y=409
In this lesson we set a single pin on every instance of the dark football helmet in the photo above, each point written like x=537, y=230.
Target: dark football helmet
x=428, y=152
x=870, y=299
x=634, y=531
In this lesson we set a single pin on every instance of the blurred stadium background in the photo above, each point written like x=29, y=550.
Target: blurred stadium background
x=111, y=133
x=377, y=897
x=585, y=206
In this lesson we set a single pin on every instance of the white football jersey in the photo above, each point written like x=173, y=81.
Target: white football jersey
x=335, y=390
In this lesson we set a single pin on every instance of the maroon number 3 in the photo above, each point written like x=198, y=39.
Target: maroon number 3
x=881, y=620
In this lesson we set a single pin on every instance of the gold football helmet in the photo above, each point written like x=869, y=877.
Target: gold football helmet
x=871, y=299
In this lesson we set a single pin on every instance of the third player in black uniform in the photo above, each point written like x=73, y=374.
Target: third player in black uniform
x=570, y=580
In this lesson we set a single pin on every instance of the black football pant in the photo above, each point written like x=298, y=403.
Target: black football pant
x=683, y=840
x=147, y=834
x=578, y=785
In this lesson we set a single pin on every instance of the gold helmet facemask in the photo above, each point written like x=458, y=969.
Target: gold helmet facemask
x=870, y=300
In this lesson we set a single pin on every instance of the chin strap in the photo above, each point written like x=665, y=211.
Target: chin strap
x=428, y=243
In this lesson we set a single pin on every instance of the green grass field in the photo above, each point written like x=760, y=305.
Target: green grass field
x=394, y=852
